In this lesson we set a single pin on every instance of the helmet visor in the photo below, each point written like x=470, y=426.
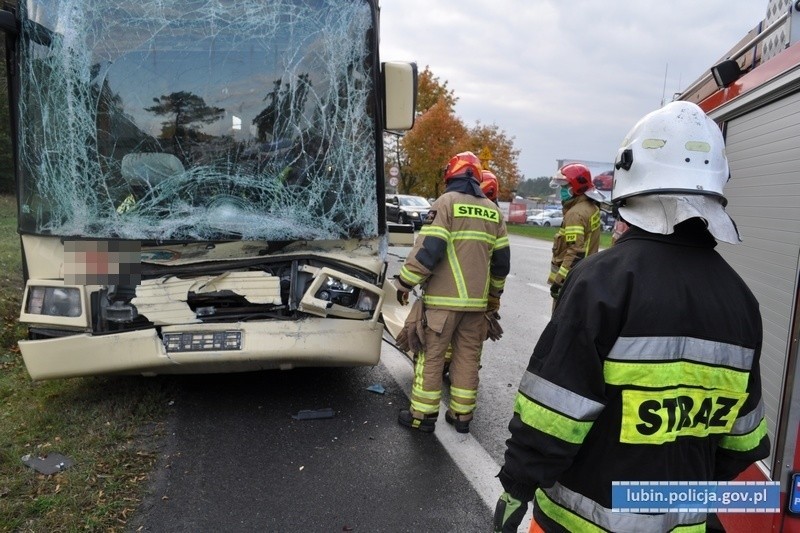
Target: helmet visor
x=558, y=181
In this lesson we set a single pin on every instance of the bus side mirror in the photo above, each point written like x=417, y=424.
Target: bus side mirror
x=400, y=95
x=8, y=22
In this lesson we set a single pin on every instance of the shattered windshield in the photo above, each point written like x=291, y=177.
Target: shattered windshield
x=198, y=119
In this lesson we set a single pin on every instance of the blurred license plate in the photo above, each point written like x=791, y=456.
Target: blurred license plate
x=203, y=341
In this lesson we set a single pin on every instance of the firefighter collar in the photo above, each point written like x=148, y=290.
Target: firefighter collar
x=661, y=213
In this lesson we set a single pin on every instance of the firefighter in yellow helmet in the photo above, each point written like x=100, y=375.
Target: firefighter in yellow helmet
x=460, y=260
x=579, y=235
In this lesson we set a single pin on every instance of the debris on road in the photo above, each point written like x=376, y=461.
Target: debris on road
x=376, y=388
x=313, y=414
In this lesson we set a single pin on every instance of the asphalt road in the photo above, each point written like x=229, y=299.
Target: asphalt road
x=235, y=459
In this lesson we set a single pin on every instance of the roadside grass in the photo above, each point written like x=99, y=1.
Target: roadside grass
x=540, y=232
x=107, y=426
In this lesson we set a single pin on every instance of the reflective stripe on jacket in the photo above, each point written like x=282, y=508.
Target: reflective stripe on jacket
x=578, y=237
x=461, y=254
x=647, y=371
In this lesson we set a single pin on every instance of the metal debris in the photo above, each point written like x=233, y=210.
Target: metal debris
x=313, y=414
x=52, y=463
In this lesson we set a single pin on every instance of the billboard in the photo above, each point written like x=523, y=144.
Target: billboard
x=602, y=171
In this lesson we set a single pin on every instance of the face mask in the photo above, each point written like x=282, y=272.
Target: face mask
x=565, y=194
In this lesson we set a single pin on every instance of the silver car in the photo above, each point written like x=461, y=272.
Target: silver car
x=552, y=217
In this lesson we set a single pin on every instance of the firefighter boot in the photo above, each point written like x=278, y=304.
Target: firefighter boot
x=462, y=426
x=426, y=425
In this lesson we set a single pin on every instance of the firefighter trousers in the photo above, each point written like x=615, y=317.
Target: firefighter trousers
x=465, y=331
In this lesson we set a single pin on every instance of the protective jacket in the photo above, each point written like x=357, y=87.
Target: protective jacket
x=578, y=237
x=647, y=371
x=461, y=254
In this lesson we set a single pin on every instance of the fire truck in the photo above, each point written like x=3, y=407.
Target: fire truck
x=753, y=93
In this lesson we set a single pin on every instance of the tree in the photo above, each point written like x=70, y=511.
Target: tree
x=437, y=135
x=503, y=162
x=535, y=188
x=285, y=107
x=188, y=109
x=430, y=90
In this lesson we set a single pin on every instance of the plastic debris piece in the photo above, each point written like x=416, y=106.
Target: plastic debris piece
x=52, y=463
x=376, y=388
x=313, y=414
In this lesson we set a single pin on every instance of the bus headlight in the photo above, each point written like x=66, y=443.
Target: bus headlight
x=54, y=301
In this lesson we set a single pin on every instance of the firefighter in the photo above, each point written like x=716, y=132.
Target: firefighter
x=489, y=186
x=460, y=260
x=649, y=366
x=579, y=235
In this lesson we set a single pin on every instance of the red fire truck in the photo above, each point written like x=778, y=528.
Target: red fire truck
x=753, y=93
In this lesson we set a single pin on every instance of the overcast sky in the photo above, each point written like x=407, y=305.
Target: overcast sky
x=566, y=79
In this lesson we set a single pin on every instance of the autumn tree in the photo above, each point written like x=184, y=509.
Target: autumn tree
x=503, y=162
x=430, y=90
x=437, y=135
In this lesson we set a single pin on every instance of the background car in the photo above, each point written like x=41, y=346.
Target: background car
x=406, y=209
x=605, y=181
x=547, y=218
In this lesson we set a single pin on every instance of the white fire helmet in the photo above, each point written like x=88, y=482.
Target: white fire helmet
x=671, y=167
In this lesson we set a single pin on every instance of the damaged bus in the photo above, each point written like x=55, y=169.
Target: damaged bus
x=200, y=182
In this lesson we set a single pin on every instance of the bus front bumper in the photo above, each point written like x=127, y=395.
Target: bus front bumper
x=255, y=346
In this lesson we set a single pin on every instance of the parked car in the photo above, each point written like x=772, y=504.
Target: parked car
x=605, y=181
x=551, y=217
x=406, y=209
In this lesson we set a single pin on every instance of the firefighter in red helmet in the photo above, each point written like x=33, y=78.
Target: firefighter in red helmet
x=460, y=261
x=579, y=235
x=490, y=186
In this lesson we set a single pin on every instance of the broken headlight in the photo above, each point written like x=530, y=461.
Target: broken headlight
x=54, y=301
x=338, y=292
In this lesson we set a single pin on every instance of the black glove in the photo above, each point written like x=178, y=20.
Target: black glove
x=402, y=297
x=508, y=514
x=494, y=331
x=555, y=288
x=402, y=290
x=492, y=303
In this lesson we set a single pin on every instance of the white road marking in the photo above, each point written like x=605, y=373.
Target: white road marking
x=472, y=459
x=544, y=288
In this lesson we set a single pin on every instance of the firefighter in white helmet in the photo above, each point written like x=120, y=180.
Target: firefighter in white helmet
x=579, y=235
x=460, y=259
x=649, y=367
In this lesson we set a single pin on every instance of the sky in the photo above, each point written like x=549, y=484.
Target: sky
x=565, y=79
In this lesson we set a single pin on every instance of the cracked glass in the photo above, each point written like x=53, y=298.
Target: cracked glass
x=163, y=120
